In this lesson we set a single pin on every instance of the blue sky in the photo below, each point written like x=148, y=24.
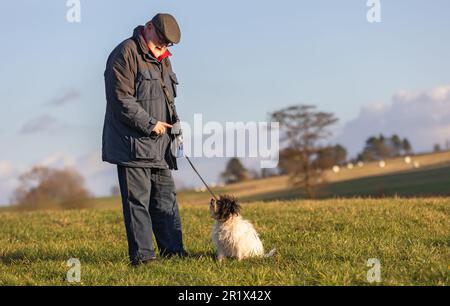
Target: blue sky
x=237, y=61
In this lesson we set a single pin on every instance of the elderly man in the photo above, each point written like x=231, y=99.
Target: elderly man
x=139, y=136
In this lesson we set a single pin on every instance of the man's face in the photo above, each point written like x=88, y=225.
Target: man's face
x=157, y=44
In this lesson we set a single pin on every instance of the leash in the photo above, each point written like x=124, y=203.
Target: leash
x=206, y=185
x=174, y=116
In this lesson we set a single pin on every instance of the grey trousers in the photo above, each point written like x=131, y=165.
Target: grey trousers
x=150, y=206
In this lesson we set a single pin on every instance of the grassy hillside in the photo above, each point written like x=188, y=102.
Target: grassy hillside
x=413, y=183
x=324, y=242
x=431, y=178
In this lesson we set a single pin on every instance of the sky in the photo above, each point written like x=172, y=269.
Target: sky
x=237, y=61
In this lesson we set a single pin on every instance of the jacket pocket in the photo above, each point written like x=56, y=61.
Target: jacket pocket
x=174, y=79
x=146, y=148
x=148, y=85
x=150, y=148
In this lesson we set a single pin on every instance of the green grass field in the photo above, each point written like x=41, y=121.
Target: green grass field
x=321, y=242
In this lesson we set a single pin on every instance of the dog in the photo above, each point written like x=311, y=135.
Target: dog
x=232, y=235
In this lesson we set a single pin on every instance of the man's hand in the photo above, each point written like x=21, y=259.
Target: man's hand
x=160, y=127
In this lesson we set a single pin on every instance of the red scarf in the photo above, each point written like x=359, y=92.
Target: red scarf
x=162, y=56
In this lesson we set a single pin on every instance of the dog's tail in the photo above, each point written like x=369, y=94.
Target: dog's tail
x=271, y=253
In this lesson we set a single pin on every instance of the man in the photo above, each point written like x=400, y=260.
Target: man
x=139, y=136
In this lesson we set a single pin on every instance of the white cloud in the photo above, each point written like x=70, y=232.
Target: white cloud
x=99, y=176
x=6, y=169
x=58, y=160
x=8, y=181
x=422, y=117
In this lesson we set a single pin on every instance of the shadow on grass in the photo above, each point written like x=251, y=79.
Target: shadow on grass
x=25, y=256
x=200, y=255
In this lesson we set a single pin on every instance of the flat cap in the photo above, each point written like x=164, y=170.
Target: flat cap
x=168, y=27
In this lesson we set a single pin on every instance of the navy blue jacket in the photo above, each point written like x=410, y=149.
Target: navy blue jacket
x=135, y=101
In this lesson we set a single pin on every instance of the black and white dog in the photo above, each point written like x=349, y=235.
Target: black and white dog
x=232, y=235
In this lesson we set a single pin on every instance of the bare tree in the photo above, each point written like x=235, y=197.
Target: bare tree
x=42, y=187
x=303, y=130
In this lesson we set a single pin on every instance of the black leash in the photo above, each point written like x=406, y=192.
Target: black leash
x=174, y=117
x=206, y=185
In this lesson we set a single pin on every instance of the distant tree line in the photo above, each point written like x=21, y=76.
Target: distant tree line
x=381, y=147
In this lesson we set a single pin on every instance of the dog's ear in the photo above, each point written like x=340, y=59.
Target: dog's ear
x=228, y=206
x=214, y=205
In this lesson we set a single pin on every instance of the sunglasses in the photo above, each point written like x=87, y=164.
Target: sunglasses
x=161, y=39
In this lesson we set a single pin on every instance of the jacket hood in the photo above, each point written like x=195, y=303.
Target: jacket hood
x=137, y=36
